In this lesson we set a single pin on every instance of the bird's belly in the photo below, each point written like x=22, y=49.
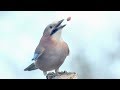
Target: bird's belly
x=50, y=61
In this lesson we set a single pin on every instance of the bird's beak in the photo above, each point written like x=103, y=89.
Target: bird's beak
x=58, y=26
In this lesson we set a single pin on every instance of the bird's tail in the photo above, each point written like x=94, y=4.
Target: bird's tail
x=30, y=67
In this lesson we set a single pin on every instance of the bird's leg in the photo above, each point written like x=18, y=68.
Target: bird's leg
x=60, y=73
x=57, y=71
x=45, y=73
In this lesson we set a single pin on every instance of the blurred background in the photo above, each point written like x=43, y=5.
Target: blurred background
x=93, y=38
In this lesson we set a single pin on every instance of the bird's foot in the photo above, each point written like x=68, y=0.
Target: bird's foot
x=50, y=75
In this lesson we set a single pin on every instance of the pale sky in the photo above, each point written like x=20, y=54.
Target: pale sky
x=95, y=32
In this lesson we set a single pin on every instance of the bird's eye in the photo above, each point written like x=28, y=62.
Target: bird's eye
x=50, y=26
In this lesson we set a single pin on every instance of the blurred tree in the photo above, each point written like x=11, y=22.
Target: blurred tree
x=81, y=66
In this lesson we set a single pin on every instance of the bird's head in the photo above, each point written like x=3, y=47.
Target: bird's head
x=54, y=29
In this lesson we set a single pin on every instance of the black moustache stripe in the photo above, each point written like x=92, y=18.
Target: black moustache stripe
x=54, y=31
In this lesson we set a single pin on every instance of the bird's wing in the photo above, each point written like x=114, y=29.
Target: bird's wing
x=37, y=54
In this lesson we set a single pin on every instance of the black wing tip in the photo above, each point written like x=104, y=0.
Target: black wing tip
x=33, y=59
x=25, y=70
x=30, y=67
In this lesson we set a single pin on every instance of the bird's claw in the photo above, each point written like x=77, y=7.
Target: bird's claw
x=50, y=75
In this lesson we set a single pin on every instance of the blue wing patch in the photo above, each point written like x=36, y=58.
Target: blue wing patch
x=36, y=55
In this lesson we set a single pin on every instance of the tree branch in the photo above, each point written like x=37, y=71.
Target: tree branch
x=62, y=75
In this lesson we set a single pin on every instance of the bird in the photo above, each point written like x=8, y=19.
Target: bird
x=51, y=51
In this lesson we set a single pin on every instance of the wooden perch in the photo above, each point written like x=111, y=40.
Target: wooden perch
x=62, y=75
